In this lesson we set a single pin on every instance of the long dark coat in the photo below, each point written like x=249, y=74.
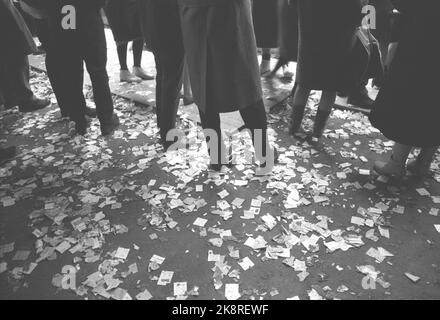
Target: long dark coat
x=407, y=109
x=221, y=53
x=288, y=29
x=326, y=30
x=265, y=18
x=126, y=19
x=15, y=37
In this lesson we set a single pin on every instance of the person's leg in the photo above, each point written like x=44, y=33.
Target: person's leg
x=94, y=51
x=396, y=165
x=420, y=167
x=169, y=81
x=300, y=97
x=324, y=110
x=255, y=121
x=187, y=91
x=121, y=48
x=159, y=108
x=265, y=60
x=216, y=146
x=16, y=81
x=72, y=91
x=124, y=74
x=17, y=89
x=138, y=47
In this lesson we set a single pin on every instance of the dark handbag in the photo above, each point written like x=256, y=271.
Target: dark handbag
x=365, y=58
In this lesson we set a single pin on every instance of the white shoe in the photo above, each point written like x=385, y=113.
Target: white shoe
x=127, y=76
x=141, y=73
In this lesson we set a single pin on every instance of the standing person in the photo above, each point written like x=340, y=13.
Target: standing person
x=126, y=20
x=406, y=109
x=77, y=36
x=326, y=30
x=265, y=19
x=16, y=44
x=163, y=33
x=220, y=47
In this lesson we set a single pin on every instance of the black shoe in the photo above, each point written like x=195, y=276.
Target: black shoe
x=361, y=99
x=33, y=105
x=81, y=126
x=7, y=154
x=107, y=128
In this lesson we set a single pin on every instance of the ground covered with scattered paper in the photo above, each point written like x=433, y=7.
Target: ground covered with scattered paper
x=116, y=218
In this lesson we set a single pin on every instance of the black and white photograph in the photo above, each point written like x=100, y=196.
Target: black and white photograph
x=219, y=157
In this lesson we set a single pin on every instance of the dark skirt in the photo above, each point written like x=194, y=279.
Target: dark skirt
x=221, y=53
x=326, y=30
x=288, y=29
x=265, y=18
x=407, y=109
x=126, y=19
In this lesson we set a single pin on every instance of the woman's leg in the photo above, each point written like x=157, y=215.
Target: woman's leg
x=187, y=92
x=265, y=61
x=300, y=97
x=325, y=108
x=122, y=55
x=138, y=71
x=138, y=47
x=125, y=75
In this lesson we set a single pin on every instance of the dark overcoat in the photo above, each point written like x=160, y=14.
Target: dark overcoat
x=126, y=19
x=326, y=30
x=15, y=37
x=407, y=109
x=221, y=52
x=265, y=17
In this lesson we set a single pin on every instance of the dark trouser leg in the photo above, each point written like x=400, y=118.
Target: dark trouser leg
x=168, y=83
x=122, y=55
x=15, y=81
x=71, y=88
x=56, y=65
x=300, y=97
x=43, y=32
x=255, y=120
x=169, y=54
x=213, y=135
x=95, y=56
